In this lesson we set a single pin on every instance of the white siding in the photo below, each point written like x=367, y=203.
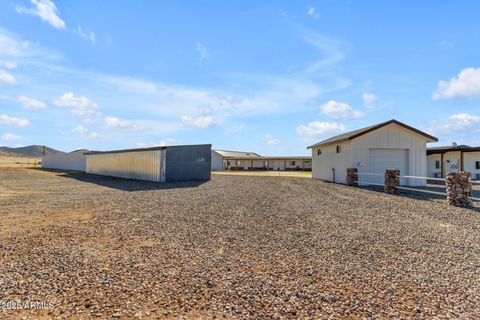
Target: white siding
x=382, y=159
x=245, y=164
x=217, y=161
x=64, y=161
x=393, y=136
x=451, y=160
x=146, y=165
x=277, y=165
x=323, y=164
x=470, y=158
x=259, y=164
x=355, y=154
x=431, y=160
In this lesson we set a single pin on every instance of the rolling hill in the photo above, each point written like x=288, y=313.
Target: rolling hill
x=28, y=151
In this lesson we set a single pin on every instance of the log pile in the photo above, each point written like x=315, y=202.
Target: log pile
x=352, y=176
x=458, y=189
x=392, y=180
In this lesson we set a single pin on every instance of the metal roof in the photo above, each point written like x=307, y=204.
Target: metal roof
x=237, y=154
x=360, y=132
x=463, y=148
x=143, y=149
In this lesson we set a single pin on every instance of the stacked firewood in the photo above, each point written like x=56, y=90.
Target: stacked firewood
x=458, y=189
x=392, y=180
x=352, y=176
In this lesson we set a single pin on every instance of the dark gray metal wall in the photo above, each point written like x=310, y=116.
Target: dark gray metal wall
x=188, y=163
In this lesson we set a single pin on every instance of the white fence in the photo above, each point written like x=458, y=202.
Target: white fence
x=365, y=179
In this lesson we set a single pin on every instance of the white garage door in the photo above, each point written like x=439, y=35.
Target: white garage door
x=381, y=159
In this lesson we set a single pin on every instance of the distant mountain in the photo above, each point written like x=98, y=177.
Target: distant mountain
x=29, y=151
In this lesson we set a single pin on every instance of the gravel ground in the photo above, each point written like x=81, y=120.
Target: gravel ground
x=233, y=247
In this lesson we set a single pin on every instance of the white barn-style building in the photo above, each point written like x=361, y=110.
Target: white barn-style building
x=371, y=150
x=454, y=158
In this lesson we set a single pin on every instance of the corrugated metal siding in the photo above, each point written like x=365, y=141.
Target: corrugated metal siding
x=184, y=163
x=142, y=165
x=64, y=161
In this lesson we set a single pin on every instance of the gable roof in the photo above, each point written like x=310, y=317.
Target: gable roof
x=237, y=154
x=360, y=132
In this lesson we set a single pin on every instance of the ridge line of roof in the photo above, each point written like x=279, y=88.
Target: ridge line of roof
x=347, y=136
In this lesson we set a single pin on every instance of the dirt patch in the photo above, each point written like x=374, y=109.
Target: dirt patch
x=27, y=223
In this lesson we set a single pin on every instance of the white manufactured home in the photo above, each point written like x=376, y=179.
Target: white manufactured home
x=454, y=158
x=371, y=150
x=241, y=160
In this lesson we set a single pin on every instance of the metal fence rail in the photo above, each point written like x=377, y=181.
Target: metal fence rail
x=412, y=189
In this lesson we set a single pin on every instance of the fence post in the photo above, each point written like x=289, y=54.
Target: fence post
x=458, y=189
x=392, y=180
x=352, y=176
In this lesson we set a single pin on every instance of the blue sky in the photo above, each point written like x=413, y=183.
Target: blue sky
x=264, y=76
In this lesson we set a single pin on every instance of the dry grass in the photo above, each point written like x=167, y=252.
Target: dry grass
x=19, y=162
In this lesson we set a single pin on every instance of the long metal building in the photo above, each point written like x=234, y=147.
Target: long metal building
x=158, y=164
x=74, y=160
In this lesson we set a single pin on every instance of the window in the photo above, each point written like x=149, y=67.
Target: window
x=477, y=165
x=437, y=164
x=292, y=163
x=319, y=152
x=339, y=149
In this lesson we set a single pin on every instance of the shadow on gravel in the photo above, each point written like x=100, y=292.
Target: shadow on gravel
x=123, y=184
x=419, y=195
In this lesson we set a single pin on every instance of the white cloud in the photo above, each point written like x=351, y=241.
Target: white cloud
x=312, y=12
x=11, y=46
x=80, y=106
x=203, y=52
x=465, y=85
x=6, y=78
x=33, y=104
x=168, y=142
x=11, y=137
x=456, y=122
x=271, y=140
x=339, y=110
x=370, y=100
x=146, y=144
x=203, y=120
x=332, y=49
x=8, y=64
x=86, y=34
x=14, y=122
x=116, y=123
x=316, y=128
x=85, y=133
x=165, y=142
x=461, y=127
x=45, y=10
